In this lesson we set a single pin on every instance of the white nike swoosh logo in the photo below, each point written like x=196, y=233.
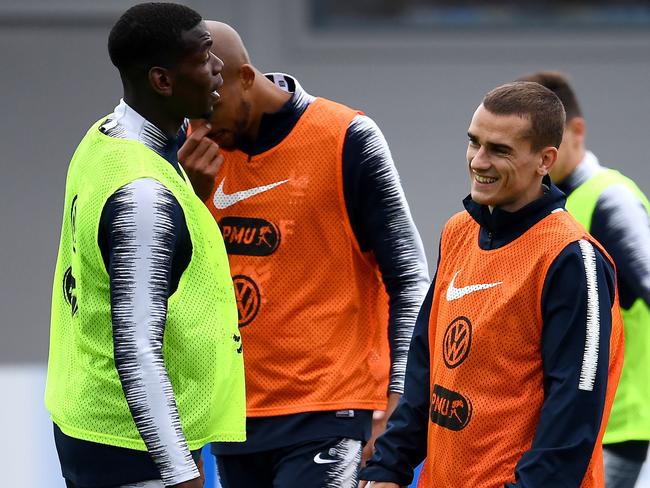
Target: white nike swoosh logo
x=454, y=293
x=320, y=460
x=223, y=200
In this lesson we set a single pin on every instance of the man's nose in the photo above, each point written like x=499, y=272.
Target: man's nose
x=479, y=160
x=217, y=64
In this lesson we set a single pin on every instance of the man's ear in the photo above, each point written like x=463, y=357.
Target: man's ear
x=577, y=126
x=548, y=159
x=247, y=76
x=161, y=81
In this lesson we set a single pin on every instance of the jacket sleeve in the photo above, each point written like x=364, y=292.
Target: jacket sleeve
x=620, y=223
x=577, y=301
x=381, y=221
x=404, y=443
x=140, y=225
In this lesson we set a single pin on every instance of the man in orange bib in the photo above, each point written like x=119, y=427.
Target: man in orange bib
x=518, y=347
x=328, y=268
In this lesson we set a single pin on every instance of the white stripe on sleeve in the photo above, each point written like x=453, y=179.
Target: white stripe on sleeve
x=590, y=357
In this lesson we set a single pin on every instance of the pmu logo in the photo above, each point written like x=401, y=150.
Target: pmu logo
x=249, y=236
x=449, y=409
x=457, y=342
x=248, y=299
x=70, y=290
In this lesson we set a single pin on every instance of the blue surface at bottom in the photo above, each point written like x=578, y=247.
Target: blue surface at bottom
x=416, y=476
x=210, y=469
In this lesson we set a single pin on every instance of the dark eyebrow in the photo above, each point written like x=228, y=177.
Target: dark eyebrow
x=205, y=38
x=502, y=148
x=495, y=147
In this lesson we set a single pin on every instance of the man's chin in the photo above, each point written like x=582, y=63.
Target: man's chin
x=482, y=198
x=226, y=143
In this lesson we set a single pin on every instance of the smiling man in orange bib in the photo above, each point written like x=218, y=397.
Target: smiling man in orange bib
x=518, y=347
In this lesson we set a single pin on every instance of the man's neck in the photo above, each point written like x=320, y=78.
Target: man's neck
x=574, y=163
x=268, y=99
x=271, y=97
x=587, y=166
x=152, y=112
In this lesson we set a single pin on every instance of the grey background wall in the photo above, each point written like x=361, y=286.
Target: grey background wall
x=56, y=80
x=421, y=89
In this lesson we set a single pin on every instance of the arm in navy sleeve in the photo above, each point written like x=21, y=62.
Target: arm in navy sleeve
x=140, y=230
x=382, y=224
x=575, y=382
x=620, y=223
x=403, y=445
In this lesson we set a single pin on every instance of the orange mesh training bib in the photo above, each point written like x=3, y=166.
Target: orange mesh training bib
x=312, y=307
x=485, y=346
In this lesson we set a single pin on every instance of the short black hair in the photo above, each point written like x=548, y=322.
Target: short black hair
x=149, y=34
x=558, y=84
x=535, y=102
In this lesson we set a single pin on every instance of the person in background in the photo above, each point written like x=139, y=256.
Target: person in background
x=615, y=211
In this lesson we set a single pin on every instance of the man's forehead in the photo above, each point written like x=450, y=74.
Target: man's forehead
x=197, y=36
x=506, y=125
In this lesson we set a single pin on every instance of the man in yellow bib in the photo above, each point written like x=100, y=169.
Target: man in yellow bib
x=145, y=363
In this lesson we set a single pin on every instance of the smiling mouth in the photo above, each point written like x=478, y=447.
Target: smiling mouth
x=486, y=180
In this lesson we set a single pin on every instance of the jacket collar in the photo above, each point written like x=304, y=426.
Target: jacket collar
x=500, y=227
